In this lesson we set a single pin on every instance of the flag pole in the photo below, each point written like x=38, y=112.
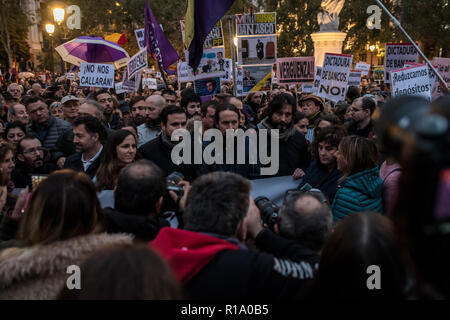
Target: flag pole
x=397, y=23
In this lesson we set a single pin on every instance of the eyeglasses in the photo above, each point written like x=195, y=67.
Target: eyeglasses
x=35, y=150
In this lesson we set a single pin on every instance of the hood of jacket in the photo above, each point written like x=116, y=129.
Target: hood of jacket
x=188, y=252
x=40, y=271
x=367, y=182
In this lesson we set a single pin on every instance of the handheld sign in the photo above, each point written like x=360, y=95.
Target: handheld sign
x=256, y=24
x=140, y=38
x=96, y=75
x=397, y=54
x=295, y=70
x=137, y=63
x=354, y=79
x=411, y=81
x=443, y=67
x=335, y=73
x=119, y=89
x=364, y=67
x=150, y=83
x=317, y=78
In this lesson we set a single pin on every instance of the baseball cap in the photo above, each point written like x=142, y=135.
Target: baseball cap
x=69, y=98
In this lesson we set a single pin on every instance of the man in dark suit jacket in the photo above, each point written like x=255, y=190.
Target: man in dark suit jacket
x=88, y=132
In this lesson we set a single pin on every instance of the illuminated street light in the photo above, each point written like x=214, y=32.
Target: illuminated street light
x=235, y=40
x=50, y=28
x=58, y=15
x=372, y=48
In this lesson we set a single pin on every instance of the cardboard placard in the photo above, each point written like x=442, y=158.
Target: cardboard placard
x=295, y=70
x=96, y=75
x=263, y=23
x=137, y=63
x=257, y=50
x=335, y=74
x=396, y=56
x=140, y=38
x=413, y=81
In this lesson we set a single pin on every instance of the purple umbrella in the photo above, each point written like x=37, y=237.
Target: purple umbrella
x=93, y=50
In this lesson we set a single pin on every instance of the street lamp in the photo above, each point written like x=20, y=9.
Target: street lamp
x=50, y=28
x=372, y=49
x=58, y=15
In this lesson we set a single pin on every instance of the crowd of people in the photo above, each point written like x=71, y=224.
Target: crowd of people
x=87, y=178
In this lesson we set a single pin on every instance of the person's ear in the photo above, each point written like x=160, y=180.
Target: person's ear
x=21, y=157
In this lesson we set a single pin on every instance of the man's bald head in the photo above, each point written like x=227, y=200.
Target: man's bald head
x=155, y=104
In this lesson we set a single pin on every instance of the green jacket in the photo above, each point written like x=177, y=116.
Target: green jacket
x=359, y=192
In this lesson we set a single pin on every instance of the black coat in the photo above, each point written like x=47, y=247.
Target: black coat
x=142, y=227
x=74, y=162
x=159, y=152
x=282, y=271
x=319, y=177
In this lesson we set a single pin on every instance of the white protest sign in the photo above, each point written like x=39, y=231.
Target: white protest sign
x=96, y=75
x=119, y=89
x=220, y=69
x=307, y=88
x=354, y=79
x=317, y=78
x=128, y=85
x=137, y=81
x=150, y=83
x=411, y=81
x=70, y=76
x=431, y=74
x=397, y=54
x=335, y=73
x=443, y=67
x=140, y=38
x=137, y=63
x=240, y=82
x=364, y=67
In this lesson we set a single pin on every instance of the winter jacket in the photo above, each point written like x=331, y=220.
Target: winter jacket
x=359, y=192
x=74, y=162
x=40, y=272
x=214, y=267
x=159, y=151
x=50, y=134
x=317, y=176
x=144, y=228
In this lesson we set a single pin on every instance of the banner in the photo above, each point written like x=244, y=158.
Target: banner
x=443, y=67
x=364, y=67
x=140, y=38
x=396, y=56
x=273, y=188
x=411, y=81
x=335, y=74
x=137, y=63
x=256, y=78
x=214, y=38
x=317, y=78
x=216, y=68
x=96, y=75
x=263, y=23
x=354, y=78
x=295, y=70
x=257, y=50
x=150, y=83
x=207, y=87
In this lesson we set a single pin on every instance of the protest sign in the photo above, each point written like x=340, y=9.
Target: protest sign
x=443, y=67
x=140, y=38
x=118, y=88
x=263, y=23
x=137, y=81
x=308, y=88
x=431, y=74
x=70, y=76
x=364, y=67
x=354, y=78
x=411, y=81
x=239, y=82
x=214, y=68
x=335, y=74
x=378, y=73
x=396, y=56
x=128, y=85
x=257, y=50
x=214, y=38
x=150, y=83
x=137, y=63
x=207, y=87
x=295, y=70
x=96, y=75
x=317, y=78
x=256, y=78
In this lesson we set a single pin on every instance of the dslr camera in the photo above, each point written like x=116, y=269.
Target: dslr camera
x=172, y=181
x=269, y=211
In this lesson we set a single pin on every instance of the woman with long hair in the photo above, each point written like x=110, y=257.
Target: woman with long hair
x=61, y=225
x=360, y=187
x=120, y=150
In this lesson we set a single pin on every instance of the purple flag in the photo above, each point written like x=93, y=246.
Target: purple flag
x=157, y=44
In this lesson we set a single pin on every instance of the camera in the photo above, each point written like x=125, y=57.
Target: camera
x=269, y=211
x=172, y=181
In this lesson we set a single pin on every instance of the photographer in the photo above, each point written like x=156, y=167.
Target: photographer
x=209, y=257
x=138, y=199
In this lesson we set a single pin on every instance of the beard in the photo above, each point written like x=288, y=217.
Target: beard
x=153, y=123
x=138, y=120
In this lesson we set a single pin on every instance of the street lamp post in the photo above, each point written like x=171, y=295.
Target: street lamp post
x=58, y=16
x=372, y=49
x=50, y=28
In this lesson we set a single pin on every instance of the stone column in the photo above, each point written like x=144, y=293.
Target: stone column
x=327, y=42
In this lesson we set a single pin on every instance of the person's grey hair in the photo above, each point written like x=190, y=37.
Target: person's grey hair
x=158, y=100
x=12, y=112
x=98, y=108
x=310, y=226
